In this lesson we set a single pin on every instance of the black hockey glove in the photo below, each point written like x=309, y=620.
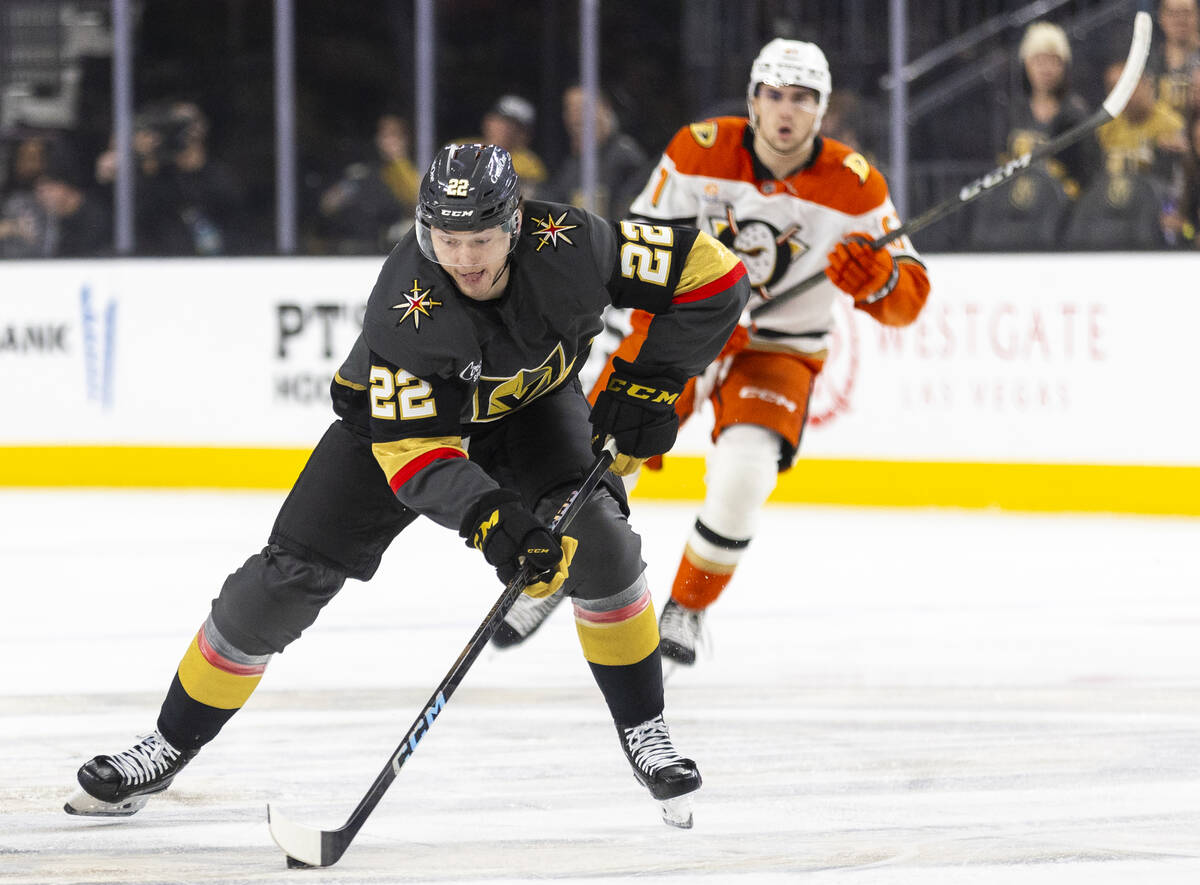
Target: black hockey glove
x=507, y=534
x=637, y=409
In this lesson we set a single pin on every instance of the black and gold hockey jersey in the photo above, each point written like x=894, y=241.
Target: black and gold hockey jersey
x=432, y=366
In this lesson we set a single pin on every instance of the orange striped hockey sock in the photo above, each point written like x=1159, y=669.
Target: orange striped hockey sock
x=706, y=567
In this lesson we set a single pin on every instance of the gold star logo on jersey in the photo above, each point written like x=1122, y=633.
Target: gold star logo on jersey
x=416, y=303
x=551, y=230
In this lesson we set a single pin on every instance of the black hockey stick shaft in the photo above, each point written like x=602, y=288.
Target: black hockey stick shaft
x=333, y=843
x=1135, y=63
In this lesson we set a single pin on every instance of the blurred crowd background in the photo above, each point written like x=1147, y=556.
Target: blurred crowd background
x=986, y=80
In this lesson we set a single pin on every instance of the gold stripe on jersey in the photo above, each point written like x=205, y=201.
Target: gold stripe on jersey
x=399, y=454
x=708, y=260
x=338, y=379
x=210, y=685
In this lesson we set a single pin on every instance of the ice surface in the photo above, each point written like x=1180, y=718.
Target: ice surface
x=888, y=696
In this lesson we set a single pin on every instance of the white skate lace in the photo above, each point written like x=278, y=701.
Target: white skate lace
x=527, y=612
x=650, y=745
x=145, y=760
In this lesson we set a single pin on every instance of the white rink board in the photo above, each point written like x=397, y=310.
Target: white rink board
x=1046, y=358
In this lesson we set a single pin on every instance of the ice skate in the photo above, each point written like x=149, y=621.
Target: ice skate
x=679, y=631
x=658, y=767
x=120, y=784
x=526, y=615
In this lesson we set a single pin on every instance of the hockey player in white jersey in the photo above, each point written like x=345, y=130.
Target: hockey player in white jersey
x=790, y=203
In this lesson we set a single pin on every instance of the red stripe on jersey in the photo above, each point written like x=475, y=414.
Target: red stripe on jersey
x=720, y=284
x=410, y=469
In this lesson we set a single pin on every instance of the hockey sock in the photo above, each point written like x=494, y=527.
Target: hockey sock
x=708, y=563
x=214, y=681
x=634, y=692
x=619, y=637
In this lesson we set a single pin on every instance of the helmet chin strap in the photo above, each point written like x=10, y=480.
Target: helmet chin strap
x=503, y=268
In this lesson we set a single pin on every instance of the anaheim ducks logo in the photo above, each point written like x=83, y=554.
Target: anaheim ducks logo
x=497, y=397
x=416, y=304
x=551, y=230
x=764, y=249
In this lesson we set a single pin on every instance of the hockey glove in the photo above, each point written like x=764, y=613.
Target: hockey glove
x=637, y=409
x=508, y=535
x=857, y=269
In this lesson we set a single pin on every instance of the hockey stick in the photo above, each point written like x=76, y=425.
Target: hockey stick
x=312, y=847
x=1139, y=49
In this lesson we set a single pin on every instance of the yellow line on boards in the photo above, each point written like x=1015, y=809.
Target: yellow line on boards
x=1112, y=488
x=179, y=467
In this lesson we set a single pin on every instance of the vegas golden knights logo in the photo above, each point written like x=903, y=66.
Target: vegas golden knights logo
x=497, y=397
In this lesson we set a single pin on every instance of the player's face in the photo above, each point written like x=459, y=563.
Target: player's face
x=474, y=259
x=786, y=116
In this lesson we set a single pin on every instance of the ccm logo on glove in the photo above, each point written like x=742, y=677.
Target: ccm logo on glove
x=641, y=391
x=501, y=527
x=637, y=409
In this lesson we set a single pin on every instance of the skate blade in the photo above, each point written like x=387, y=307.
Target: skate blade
x=85, y=804
x=677, y=812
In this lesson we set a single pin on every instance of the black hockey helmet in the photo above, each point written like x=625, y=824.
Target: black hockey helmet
x=469, y=187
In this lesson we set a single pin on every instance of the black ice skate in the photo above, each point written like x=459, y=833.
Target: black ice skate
x=679, y=632
x=526, y=615
x=118, y=785
x=657, y=765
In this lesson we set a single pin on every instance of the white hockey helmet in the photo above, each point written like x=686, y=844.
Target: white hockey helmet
x=791, y=63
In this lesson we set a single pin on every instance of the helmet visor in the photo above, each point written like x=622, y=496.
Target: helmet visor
x=469, y=248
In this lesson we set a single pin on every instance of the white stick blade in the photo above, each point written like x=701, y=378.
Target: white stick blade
x=1139, y=49
x=298, y=841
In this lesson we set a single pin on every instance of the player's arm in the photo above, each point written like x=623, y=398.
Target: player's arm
x=693, y=285
x=696, y=290
x=889, y=283
x=416, y=437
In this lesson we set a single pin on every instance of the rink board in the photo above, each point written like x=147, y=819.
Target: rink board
x=1029, y=382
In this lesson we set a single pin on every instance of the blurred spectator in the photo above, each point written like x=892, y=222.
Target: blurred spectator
x=54, y=215
x=1182, y=227
x=1173, y=60
x=22, y=226
x=22, y=221
x=509, y=124
x=188, y=202
x=26, y=161
x=1049, y=108
x=621, y=164
x=1148, y=136
x=372, y=205
x=76, y=225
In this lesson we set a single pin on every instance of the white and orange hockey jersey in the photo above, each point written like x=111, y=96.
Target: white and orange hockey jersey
x=782, y=229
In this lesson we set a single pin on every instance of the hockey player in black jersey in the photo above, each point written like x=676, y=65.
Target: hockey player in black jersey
x=463, y=388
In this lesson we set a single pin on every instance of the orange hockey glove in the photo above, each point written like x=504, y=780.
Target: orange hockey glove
x=857, y=269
